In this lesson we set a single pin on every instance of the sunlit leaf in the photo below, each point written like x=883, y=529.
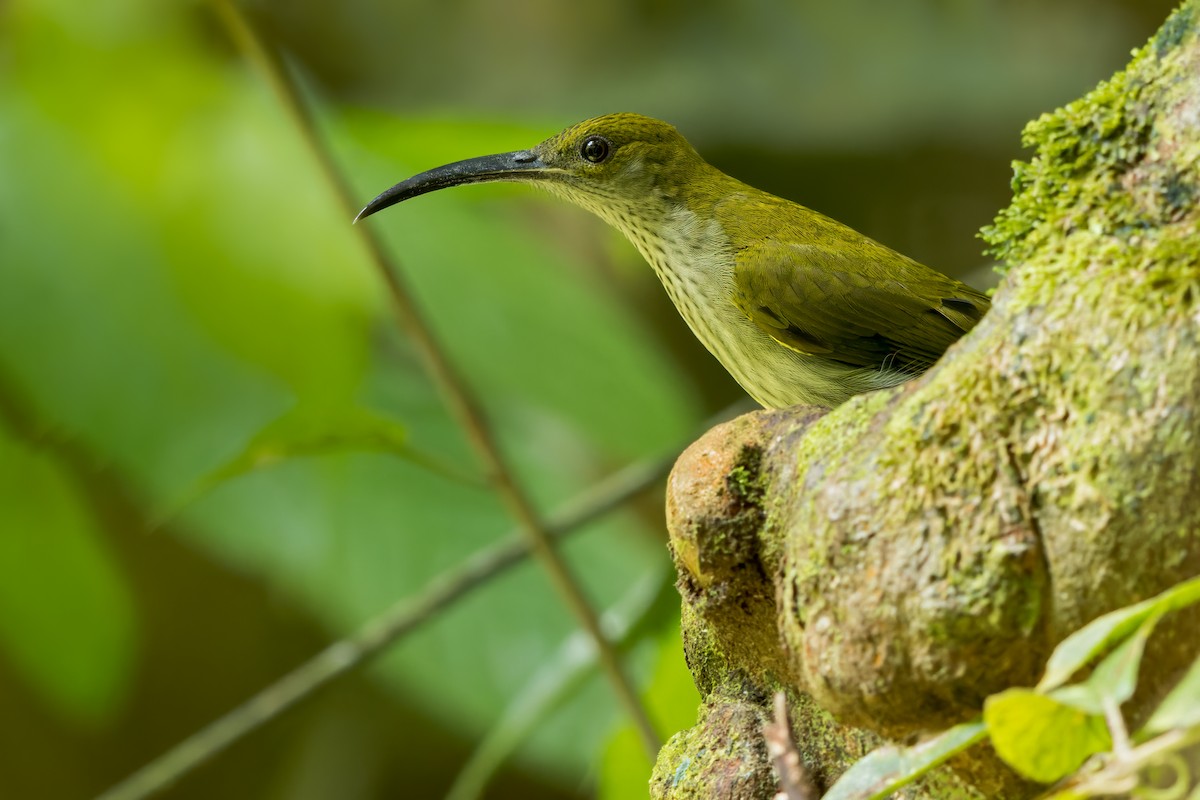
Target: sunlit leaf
x=1041, y=737
x=1115, y=677
x=887, y=769
x=1080, y=696
x=1102, y=633
x=1181, y=708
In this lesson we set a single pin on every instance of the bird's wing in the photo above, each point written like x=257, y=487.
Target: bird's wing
x=868, y=307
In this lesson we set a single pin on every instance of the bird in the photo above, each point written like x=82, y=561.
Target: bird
x=799, y=308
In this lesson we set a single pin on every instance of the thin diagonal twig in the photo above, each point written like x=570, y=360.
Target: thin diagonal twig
x=379, y=633
x=458, y=395
x=560, y=676
x=794, y=781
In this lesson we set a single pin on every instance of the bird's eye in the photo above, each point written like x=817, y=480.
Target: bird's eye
x=594, y=149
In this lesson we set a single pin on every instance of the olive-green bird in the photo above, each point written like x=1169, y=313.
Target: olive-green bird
x=798, y=307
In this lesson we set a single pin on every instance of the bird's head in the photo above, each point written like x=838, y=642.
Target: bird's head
x=616, y=166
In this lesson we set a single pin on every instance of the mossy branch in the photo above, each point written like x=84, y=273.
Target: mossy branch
x=916, y=550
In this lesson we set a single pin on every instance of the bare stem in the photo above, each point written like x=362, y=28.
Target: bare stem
x=1117, y=729
x=455, y=390
x=794, y=781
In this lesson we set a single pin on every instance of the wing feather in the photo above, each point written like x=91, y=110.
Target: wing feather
x=869, y=307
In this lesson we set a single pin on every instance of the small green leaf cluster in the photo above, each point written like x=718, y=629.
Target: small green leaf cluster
x=1046, y=733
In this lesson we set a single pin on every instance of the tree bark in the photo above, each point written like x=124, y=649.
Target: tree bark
x=892, y=562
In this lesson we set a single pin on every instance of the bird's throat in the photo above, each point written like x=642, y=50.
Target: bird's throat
x=694, y=257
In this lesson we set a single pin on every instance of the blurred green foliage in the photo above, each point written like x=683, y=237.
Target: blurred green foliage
x=182, y=298
x=66, y=617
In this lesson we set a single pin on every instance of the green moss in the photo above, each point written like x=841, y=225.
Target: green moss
x=1042, y=415
x=730, y=540
x=722, y=756
x=1083, y=150
x=1076, y=375
x=745, y=482
x=828, y=441
x=1106, y=210
x=1172, y=33
x=937, y=540
x=837, y=433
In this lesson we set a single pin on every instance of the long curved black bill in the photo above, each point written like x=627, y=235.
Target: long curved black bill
x=500, y=167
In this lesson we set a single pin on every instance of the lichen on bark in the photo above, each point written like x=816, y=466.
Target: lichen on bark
x=891, y=563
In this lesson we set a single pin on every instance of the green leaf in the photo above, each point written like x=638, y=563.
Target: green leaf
x=1101, y=633
x=1080, y=696
x=1041, y=737
x=66, y=616
x=1115, y=677
x=886, y=769
x=1181, y=708
x=304, y=432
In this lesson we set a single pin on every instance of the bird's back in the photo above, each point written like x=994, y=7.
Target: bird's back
x=851, y=313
